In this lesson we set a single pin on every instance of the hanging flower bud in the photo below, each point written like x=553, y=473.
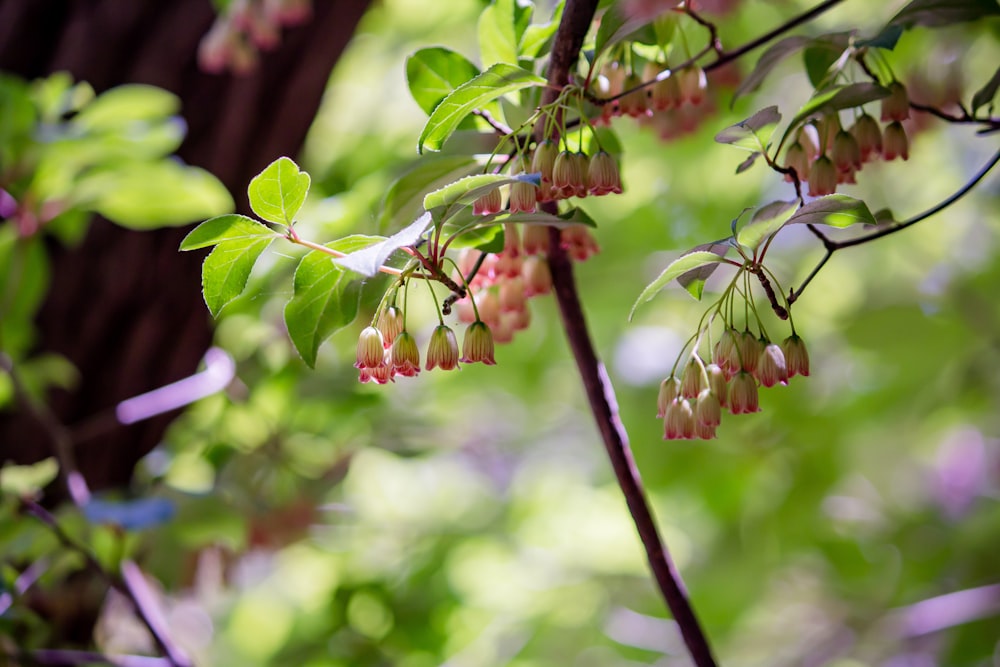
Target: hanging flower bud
x=522, y=193
x=537, y=278
x=519, y=319
x=822, y=177
x=614, y=79
x=708, y=409
x=808, y=136
x=796, y=158
x=390, y=323
x=511, y=241
x=488, y=303
x=749, y=350
x=634, y=104
x=670, y=389
x=717, y=383
x=896, y=106
x=405, y=355
x=771, y=368
x=703, y=432
x=442, y=351
x=869, y=137
x=478, y=344
x=692, y=82
x=828, y=127
x=371, y=351
x=380, y=374
x=743, y=394
x=545, y=159
x=536, y=240
x=846, y=153
x=580, y=245
x=726, y=354
x=666, y=93
x=565, y=175
x=512, y=298
x=602, y=175
x=691, y=380
x=894, y=142
x=489, y=203
x=796, y=356
x=679, y=423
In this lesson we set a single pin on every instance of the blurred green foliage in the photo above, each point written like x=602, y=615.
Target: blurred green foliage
x=471, y=518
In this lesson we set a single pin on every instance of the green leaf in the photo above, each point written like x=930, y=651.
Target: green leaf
x=148, y=195
x=753, y=133
x=675, y=269
x=537, y=35
x=469, y=189
x=840, y=97
x=433, y=73
x=226, y=270
x=694, y=280
x=938, y=13
x=575, y=216
x=616, y=25
x=498, y=38
x=749, y=162
x=405, y=197
x=834, y=210
x=368, y=260
x=822, y=54
x=325, y=298
x=124, y=104
x=770, y=58
x=986, y=94
x=886, y=39
x=767, y=220
x=23, y=480
x=224, y=228
x=277, y=193
x=498, y=80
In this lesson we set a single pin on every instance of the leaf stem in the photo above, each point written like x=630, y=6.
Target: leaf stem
x=295, y=238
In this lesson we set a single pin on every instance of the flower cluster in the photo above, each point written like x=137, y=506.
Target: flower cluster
x=826, y=155
x=245, y=28
x=387, y=350
x=691, y=405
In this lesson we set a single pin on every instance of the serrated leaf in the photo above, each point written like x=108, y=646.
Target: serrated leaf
x=694, y=280
x=753, y=133
x=986, y=94
x=767, y=220
x=840, y=97
x=433, y=73
x=938, y=13
x=467, y=190
x=368, y=260
x=767, y=62
x=325, y=299
x=498, y=80
x=277, y=193
x=835, y=211
x=226, y=270
x=677, y=268
x=223, y=228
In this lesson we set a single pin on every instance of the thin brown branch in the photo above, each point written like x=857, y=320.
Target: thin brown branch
x=576, y=20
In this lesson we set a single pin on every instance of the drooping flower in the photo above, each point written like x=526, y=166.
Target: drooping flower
x=717, y=383
x=635, y=103
x=602, y=175
x=708, y=408
x=390, y=323
x=797, y=159
x=442, y=351
x=692, y=82
x=578, y=242
x=523, y=194
x=544, y=159
x=478, y=344
x=796, y=356
x=846, y=153
x=679, y=422
x=489, y=203
x=771, y=367
x=567, y=176
x=535, y=240
x=371, y=351
x=726, y=354
x=405, y=355
x=670, y=389
x=896, y=106
x=822, y=177
x=894, y=142
x=691, y=380
x=666, y=93
x=537, y=277
x=743, y=397
x=749, y=350
x=869, y=136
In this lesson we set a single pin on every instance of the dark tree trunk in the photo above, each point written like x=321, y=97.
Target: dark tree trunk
x=125, y=307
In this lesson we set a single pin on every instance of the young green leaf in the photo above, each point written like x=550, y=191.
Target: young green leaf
x=834, y=210
x=498, y=31
x=498, y=80
x=985, y=95
x=433, y=73
x=467, y=190
x=223, y=228
x=405, y=197
x=616, y=25
x=675, y=269
x=767, y=220
x=367, y=261
x=694, y=280
x=277, y=193
x=939, y=13
x=768, y=61
x=825, y=56
x=537, y=35
x=753, y=133
x=226, y=270
x=325, y=299
x=127, y=104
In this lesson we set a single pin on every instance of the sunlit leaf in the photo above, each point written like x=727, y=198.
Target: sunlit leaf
x=127, y=103
x=223, y=228
x=500, y=79
x=368, y=260
x=767, y=220
x=834, y=210
x=22, y=480
x=226, y=270
x=325, y=299
x=985, y=95
x=404, y=200
x=694, y=280
x=433, y=73
x=537, y=35
x=501, y=26
x=675, y=269
x=753, y=133
x=618, y=24
x=467, y=190
x=277, y=193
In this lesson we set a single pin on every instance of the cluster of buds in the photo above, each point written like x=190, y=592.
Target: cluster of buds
x=691, y=405
x=565, y=173
x=672, y=104
x=826, y=155
x=387, y=350
x=246, y=28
